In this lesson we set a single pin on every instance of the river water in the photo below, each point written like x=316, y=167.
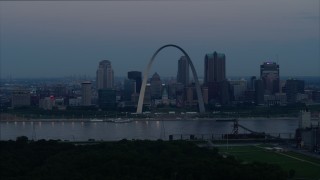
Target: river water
x=152, y=130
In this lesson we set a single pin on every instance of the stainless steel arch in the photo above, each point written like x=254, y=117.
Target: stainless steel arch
x=146, y=73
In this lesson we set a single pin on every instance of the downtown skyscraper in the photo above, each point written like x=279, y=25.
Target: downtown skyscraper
x=215, y=78
x=269, y=73
x=105, y=75
x=214, y=67
x=183, y=71
x=86, y=93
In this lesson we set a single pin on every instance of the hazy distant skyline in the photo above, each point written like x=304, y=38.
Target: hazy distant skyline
x=56, y=39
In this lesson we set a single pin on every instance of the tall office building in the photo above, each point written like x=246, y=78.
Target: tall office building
x=137, y=77
x=183, y=71
x=86, y=93
x=156, y=86
x=269, y=73
x=214, y=67
x=215, y=78
x=105, y=76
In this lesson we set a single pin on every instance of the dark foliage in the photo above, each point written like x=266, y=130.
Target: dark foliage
x=124, y=160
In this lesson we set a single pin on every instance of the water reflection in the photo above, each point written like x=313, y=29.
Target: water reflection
x=137, y=129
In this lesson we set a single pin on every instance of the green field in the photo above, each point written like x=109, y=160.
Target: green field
x=304, y=166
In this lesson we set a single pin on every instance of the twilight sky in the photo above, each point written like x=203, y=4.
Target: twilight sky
x=56, y=39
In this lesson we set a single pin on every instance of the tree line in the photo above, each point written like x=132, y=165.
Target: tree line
x=140, y=159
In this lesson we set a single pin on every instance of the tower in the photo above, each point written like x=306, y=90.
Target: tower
x=215, y=78
x=214, y=67
x=269, y=73
x=105, y=76
x=86, y=93
x=183, y=71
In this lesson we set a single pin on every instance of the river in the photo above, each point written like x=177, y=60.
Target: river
x=142, y=129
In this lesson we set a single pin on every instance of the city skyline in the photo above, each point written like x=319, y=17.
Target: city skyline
x=37, y=41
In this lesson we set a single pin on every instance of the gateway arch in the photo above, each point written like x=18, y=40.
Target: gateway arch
x=146, y=73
